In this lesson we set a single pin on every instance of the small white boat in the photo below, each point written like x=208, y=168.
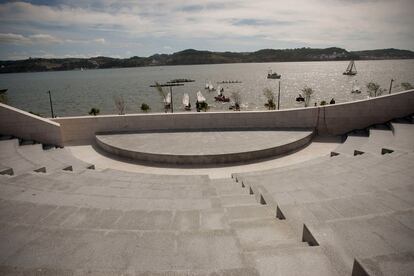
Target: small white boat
x=200, y=97
x=355, y=88
x=167, y=101
x=186, y=102
x=210, y=87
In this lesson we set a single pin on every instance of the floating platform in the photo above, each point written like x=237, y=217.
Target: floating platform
x=203, y=147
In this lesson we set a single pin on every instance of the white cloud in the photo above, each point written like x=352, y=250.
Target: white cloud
x=100, y=40
x=9, y=38
x=128, y=24
x=13, y=39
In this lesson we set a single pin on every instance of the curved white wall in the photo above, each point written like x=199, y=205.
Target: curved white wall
x=331, y=119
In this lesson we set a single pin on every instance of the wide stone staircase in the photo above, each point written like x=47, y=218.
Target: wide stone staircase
x=348, y=213
x=68, y=219
x=357, y=206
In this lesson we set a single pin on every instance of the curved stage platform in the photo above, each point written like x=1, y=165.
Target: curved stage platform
x=203, y=147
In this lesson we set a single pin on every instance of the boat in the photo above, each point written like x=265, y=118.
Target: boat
x=186, y=102
x=211, y=87
x=207, y=85
x=200, y=97
x=180, y=80
x=167, y=101
x=271, y=75
x=300, y=98
x=2, y=91
x=351, y=69
x=229, y=81
x=355, y=88
x=220, y=97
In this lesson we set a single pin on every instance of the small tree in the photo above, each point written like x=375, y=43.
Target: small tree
x=236, y=97
x=307, y=92
x=407, y=86
x=323, y=102
x=203, y=106
x=267, y=92
x=162, y=94
x=145, y=107
x=374, y=89
x=94, y=111
x=120, y=104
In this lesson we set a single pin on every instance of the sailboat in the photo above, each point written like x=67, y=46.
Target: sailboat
x=186, y=102
x=210, y=87
x=351, y=69
x=167, y=101
x=355, y=88
x=200, y=97
x=220, y=97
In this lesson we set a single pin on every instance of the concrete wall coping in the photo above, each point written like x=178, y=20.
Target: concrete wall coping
x=45, y=120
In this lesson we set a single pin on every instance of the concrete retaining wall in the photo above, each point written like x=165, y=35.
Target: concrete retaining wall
x=333, y=119
x=24, y=125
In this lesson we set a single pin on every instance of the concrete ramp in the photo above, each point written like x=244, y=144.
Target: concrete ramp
x=204, y=147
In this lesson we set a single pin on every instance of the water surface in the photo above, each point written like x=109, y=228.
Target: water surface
x=76, y=92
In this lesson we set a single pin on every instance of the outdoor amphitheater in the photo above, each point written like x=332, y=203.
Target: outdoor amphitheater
x=325, y=190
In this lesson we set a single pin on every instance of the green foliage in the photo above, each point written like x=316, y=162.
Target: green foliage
x=94, y=111
x=407, y=86
x=202, y=106
x=145, y=107
x=307, y=92
x=374, y=89
x=323, y=102
x=267, y=92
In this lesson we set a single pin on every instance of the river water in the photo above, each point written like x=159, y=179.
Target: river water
x=76, y=92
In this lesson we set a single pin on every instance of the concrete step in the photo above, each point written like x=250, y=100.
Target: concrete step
x=264, y=233
x=378, y=138
x=8, y=148
x=240, y=176
x=36, y=155
x=248, y=213
x=403, y=137
x=351, y=143
x=294, y=261
x=238, y=200
x=64, y=156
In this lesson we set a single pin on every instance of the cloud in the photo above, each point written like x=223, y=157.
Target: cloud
x=146, y=26
x=86, y=41
x=100, y=40
x=10, y=38
x=13, y=39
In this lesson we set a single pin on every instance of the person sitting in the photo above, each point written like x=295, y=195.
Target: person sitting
x=332, y=101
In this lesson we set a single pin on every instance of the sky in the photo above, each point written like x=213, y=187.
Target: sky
x=125, y=28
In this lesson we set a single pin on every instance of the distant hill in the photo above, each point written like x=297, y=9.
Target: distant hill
x=191, y=56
